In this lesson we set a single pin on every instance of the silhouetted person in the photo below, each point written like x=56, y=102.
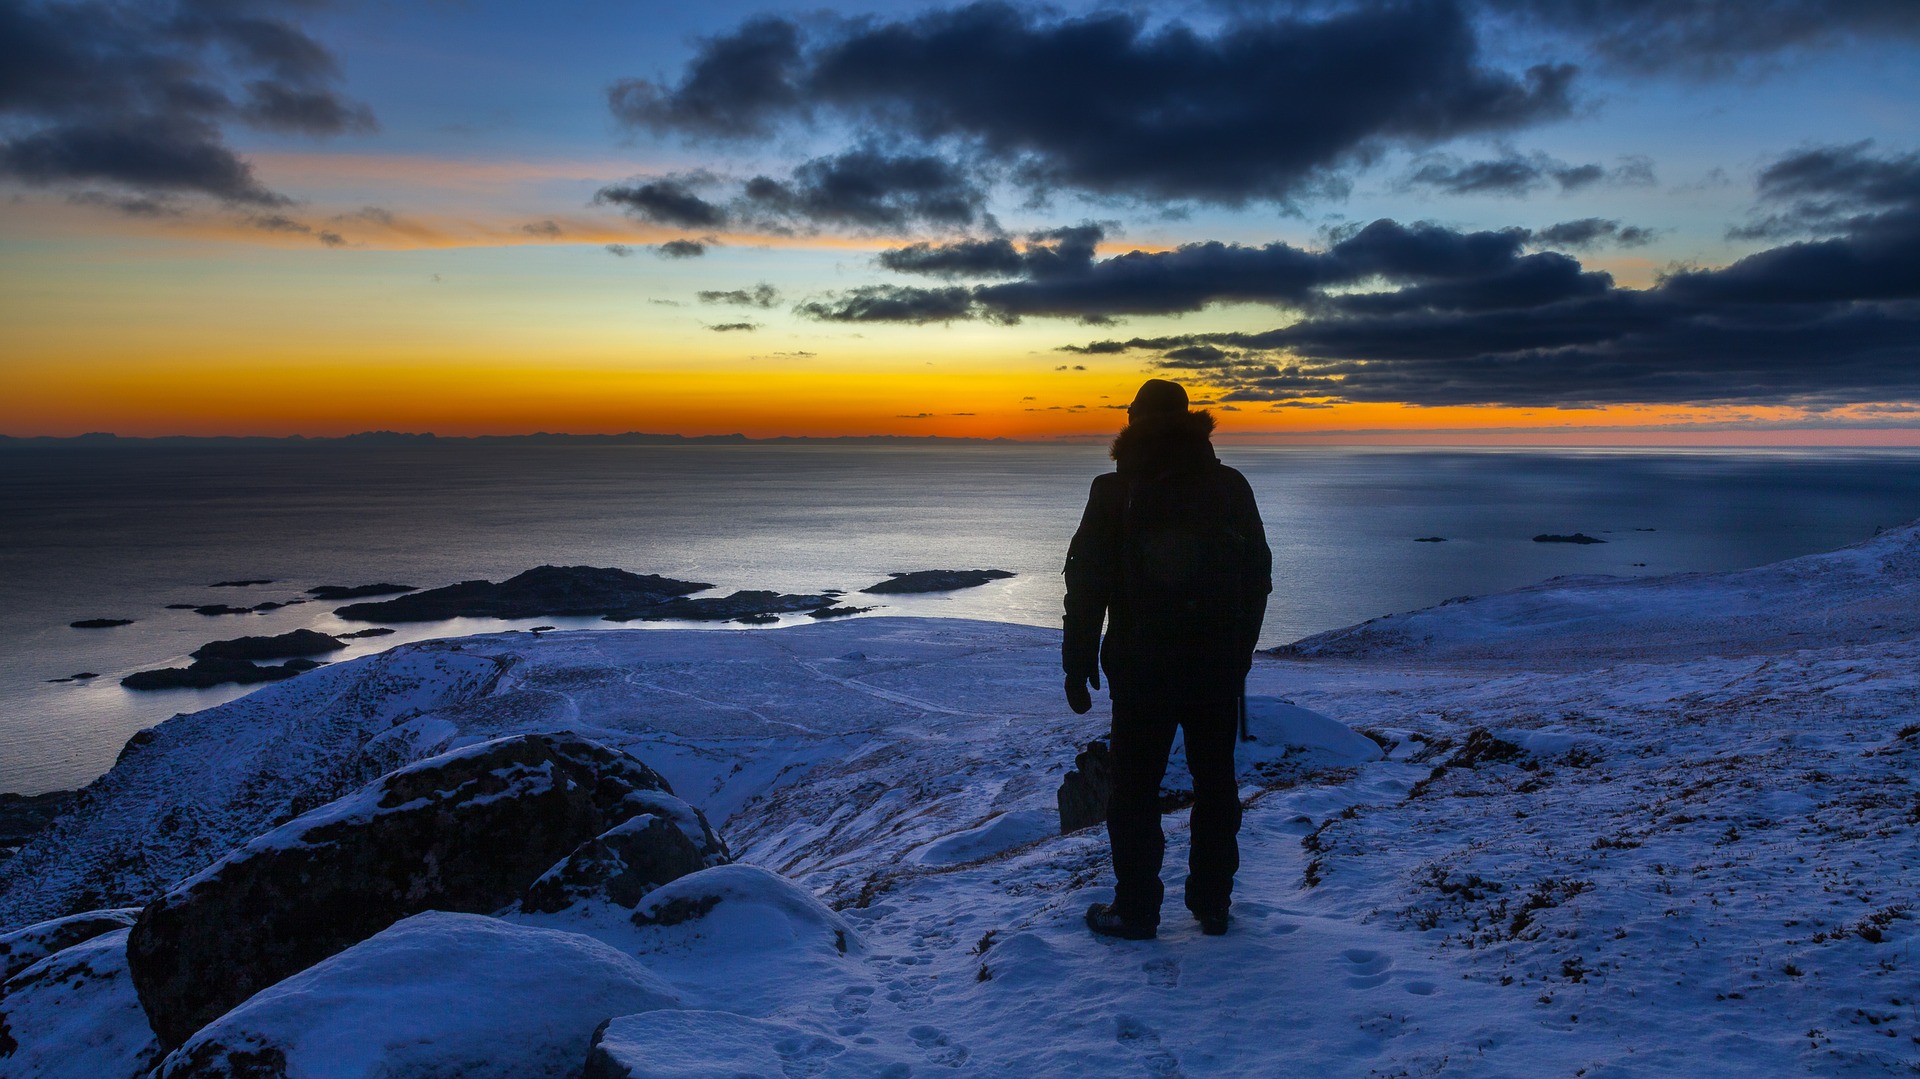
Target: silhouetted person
x=1171, y=553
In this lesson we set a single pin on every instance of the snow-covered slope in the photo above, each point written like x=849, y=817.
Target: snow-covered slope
x=1666, y=828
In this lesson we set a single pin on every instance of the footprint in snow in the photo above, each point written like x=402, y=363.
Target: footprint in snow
x=938, y=1048
x=1164, y=973
x=1145, y=1041
x=1366, y=969
x=853, y=1001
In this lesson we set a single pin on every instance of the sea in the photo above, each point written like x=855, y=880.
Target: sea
x=123, y=530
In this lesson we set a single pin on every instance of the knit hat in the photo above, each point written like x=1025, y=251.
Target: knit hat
x=1158, y=397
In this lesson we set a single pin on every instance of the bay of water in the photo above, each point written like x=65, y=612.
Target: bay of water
x=121, y=532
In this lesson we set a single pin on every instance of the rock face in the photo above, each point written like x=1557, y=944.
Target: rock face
x=74, y=1015
x=935, y=580
x=22, y=816
x=468, y=830
x=436, y=995
x=301, y=642
x=1083, y=791
x=537, y=593
x=23, y=948
x=203, y=673
x=667, y=840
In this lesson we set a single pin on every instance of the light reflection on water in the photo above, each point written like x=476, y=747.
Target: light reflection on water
x=122, y=532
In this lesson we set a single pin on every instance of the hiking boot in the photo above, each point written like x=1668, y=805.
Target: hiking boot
x=1213, y=922
x=1107, y=922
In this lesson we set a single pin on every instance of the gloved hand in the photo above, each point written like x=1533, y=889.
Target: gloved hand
x=1078, y=698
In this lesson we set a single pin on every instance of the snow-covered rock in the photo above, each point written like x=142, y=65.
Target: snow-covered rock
x=664, y=841
x=438, y=994
x=468, y=830
x=1273, y=723
x=705, y=1044
x=23, y=948
x=74, y=1015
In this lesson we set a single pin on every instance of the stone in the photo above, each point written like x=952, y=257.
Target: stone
x=468, y=830
x=436, y=995
x=935, y=580
x=1084, y=790
x=23, y=948
x=665, y=841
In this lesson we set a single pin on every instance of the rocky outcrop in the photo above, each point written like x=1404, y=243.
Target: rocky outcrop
x=356, y=591
x=100, y=623
x=438, y=994
x=74, y=1015
x=935, y=580
x=23, y=948
x=22, y=816
x=469, y=830
x=206, y=673
x=301, y=642
x=665, y=841
x=1577, y=537
x=538, y=593
x=751, y=605
x=1084, y=790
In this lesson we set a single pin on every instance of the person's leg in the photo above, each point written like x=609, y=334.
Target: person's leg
x=1142, y=736
x=1211, y=728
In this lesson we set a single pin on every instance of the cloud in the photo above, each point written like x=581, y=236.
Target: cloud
x=731, y=327
x=1049, y=253
x=1264, y=108
x=1832, y=189
x=892, y=303
x=284, y=224
x=135, y=96
x=761, y=295
x=681, y=249
x=1515, y=174
x=619, y=251
x=668, y=200
x=1711, y=37
x=546, y=230
x=869, y=189
x=1816, y=323
x=1592, y=232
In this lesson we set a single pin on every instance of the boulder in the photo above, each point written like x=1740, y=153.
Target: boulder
x=703, y=1044
x=23, y=948
x=741, y=938
x=935, y=580
x=300, y=642
x=468, y=830
x=663, y=842
x=74, y=1015
x=438, y=994
x=1084, y=790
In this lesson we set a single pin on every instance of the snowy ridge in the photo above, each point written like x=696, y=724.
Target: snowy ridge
x=1869, y=591
x=1669, y=830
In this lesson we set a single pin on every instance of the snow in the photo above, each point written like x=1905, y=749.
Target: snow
x=1656, y=827
x=438, y=994
x=74, y=1015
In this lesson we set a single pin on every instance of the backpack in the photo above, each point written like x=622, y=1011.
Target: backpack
x=1185, y=566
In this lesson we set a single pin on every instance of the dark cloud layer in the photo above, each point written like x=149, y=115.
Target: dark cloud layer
x=1435, y=316
x=1263, y=109
x=134, y=96
x=1515, y=174
x=861, y=189
x=1712, y=37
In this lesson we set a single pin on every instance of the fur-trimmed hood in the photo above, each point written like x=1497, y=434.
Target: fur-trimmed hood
x=1181, y=440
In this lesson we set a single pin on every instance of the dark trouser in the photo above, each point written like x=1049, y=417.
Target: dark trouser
x=1143, y=729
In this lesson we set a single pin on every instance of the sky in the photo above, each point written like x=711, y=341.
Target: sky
x=1506, y=221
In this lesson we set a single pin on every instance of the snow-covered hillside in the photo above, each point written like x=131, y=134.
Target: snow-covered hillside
x=1661, y=827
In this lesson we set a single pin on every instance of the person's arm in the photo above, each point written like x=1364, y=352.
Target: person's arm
x=1091, y=569
x=1258, y=571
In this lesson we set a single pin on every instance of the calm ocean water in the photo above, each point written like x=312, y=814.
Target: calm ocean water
x=118, y=532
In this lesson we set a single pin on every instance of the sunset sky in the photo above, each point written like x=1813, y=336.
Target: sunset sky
x=1542, y=221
